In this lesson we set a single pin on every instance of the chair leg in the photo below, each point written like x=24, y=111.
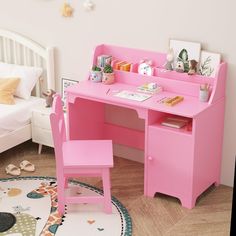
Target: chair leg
x=61, y=194
x=107, y=190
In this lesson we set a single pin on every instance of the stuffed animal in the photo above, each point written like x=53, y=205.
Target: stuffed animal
x=49, y=97
x=170, y=59
x=179, y=66
x=192, y=67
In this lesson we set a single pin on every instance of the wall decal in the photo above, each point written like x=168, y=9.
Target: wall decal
x=66, y=10
x=89, y=5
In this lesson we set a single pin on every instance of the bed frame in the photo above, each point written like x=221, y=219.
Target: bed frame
x=17, y=49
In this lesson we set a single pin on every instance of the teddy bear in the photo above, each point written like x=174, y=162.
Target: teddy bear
x=49, y=97
x=192, y=67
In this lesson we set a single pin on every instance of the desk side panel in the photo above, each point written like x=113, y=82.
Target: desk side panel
x=209, y=130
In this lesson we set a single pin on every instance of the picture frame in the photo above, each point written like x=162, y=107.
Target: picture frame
x=209, y=63
x=65, y=83
x=185, y=51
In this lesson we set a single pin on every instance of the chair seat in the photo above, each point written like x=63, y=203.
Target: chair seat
x=87, y=153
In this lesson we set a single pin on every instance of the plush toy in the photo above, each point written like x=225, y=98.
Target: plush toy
x=192, y=67
x=66, y=10
x=170, y=59
x=49, y=97
x=179, y=66
x=145, y=67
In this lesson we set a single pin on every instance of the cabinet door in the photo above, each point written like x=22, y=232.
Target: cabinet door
x=169, y=162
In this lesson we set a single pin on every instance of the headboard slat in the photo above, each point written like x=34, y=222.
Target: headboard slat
x=17, y=49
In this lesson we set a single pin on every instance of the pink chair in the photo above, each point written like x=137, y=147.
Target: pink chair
x=79, y=158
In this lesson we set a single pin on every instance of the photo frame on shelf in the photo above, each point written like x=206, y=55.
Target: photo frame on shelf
x=184, y=51
x=209, y=63
x=65, y=83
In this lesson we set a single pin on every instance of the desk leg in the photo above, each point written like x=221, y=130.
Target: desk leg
x=85, y=119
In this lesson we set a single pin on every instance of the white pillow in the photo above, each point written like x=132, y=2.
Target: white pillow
x=28, y=77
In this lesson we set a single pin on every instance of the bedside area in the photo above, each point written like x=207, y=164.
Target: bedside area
x=41, y=128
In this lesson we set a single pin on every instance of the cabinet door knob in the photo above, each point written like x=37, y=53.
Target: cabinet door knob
x=150, y=158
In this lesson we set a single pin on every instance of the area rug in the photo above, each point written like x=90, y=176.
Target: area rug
x=28, y=206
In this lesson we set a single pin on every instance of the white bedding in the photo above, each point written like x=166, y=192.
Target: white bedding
x=15, y=116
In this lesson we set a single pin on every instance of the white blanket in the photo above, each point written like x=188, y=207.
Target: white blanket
x=15, y=116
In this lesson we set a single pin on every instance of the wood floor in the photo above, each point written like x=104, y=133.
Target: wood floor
x=161, y=215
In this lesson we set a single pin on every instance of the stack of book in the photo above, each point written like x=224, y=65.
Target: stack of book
x=150, y=88
x=175, y=122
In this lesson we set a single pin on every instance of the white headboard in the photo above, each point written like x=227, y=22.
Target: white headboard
x=17, y=49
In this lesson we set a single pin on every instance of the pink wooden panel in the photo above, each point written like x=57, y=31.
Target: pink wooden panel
x=124, y=136
x=208, y=146
x=220, y=83
x=86, y=119
x=170, y=163
x=171, y=81
x=131, y=54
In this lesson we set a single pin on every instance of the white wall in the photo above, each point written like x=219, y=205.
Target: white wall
x=134, y=23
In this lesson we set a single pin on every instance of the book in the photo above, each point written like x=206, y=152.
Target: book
x=175, y=122
x=145, y=88
x=132, y=95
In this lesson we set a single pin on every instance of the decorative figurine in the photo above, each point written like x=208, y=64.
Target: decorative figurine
x=179, y=66
x=145, y=67
x=170, y=59
x=49, y=97
x=66, y=10
x=88, y=5
x=192, y=67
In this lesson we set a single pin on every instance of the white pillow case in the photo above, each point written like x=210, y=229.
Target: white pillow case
x=28, y=77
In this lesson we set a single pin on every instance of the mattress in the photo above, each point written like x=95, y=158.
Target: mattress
x=13, y=117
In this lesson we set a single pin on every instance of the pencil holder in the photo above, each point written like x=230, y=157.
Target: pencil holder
x=203, y=95
x=96, y=76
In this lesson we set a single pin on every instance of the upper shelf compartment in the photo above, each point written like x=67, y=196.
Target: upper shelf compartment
x=170, y=80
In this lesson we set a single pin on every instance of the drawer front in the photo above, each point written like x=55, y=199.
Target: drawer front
x=42, y=136
x=41, y=120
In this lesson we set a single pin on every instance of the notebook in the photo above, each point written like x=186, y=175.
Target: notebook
x=132, y=95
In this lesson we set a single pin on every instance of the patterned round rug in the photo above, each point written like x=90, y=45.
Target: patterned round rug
x=28, y=206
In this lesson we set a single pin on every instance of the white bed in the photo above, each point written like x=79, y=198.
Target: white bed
x=15, y=126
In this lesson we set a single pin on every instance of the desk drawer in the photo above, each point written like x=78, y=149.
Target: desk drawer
x=42, y=136
x=41, y=120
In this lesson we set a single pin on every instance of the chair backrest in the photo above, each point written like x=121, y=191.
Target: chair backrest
x=58, y=127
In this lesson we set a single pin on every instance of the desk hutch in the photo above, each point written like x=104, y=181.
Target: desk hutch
x=178, y=162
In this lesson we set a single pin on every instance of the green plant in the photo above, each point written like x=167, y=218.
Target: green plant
x=108, y=69
x=96, y=68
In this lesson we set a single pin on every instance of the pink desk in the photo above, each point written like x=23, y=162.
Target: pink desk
x=178, y=162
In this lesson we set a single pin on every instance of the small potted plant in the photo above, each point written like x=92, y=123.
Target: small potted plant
x=96, y=74
x=108, y=75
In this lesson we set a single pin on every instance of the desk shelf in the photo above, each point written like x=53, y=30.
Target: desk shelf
x=159, y=126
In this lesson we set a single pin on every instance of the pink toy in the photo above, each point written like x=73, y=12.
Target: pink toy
x=179, y=162
x=79, y=158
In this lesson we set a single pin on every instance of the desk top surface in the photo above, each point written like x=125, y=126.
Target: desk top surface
x=189, y=107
